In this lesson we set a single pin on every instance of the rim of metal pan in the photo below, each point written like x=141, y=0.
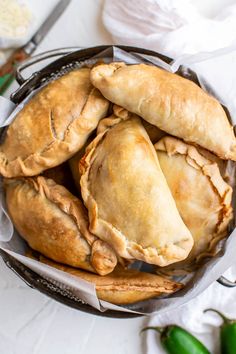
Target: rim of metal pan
x=69, y=59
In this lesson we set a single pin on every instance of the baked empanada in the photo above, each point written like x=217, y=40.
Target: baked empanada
x=122, y=286
x=173, y=104
x=52, y=126
x=55, y=223
x=129, y=203
x=202, y=197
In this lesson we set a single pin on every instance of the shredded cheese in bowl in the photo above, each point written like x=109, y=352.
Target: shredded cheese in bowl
x=15, y=19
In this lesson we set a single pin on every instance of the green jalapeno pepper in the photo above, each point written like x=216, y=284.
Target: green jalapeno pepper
x=176, y=340
x=227, y=334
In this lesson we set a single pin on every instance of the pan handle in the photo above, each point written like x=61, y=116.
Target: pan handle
x=226, y=282
x=40, y=57
x=8, y=263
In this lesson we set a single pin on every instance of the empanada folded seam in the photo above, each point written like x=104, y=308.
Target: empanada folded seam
x=171, y=252
x=210, y=169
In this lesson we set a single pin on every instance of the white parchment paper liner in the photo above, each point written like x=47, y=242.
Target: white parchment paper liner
x=217, y=75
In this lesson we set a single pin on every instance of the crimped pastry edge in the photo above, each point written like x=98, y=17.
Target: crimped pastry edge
x=194, y=158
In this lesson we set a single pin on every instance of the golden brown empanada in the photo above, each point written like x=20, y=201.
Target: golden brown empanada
x=122, y=286
x=174, y=104
x=52, y=126
x=54, y=222
x=202, y=197
x=129, y=203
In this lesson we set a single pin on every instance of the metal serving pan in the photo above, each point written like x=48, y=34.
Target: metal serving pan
x=69, y=59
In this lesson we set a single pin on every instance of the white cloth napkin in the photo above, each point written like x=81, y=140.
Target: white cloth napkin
x=191, y=316
x=168, y=26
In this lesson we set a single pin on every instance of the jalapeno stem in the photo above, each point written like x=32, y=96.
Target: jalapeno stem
x=157, y=329
x=224, y=318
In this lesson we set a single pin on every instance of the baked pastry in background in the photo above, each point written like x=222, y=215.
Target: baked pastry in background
x=122, y=286
x=172, y=103
x=52, y=126
x=54, y=222
x=129, y=202
x=202, y=197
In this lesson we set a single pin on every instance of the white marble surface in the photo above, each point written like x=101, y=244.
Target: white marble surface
x=31, y=323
